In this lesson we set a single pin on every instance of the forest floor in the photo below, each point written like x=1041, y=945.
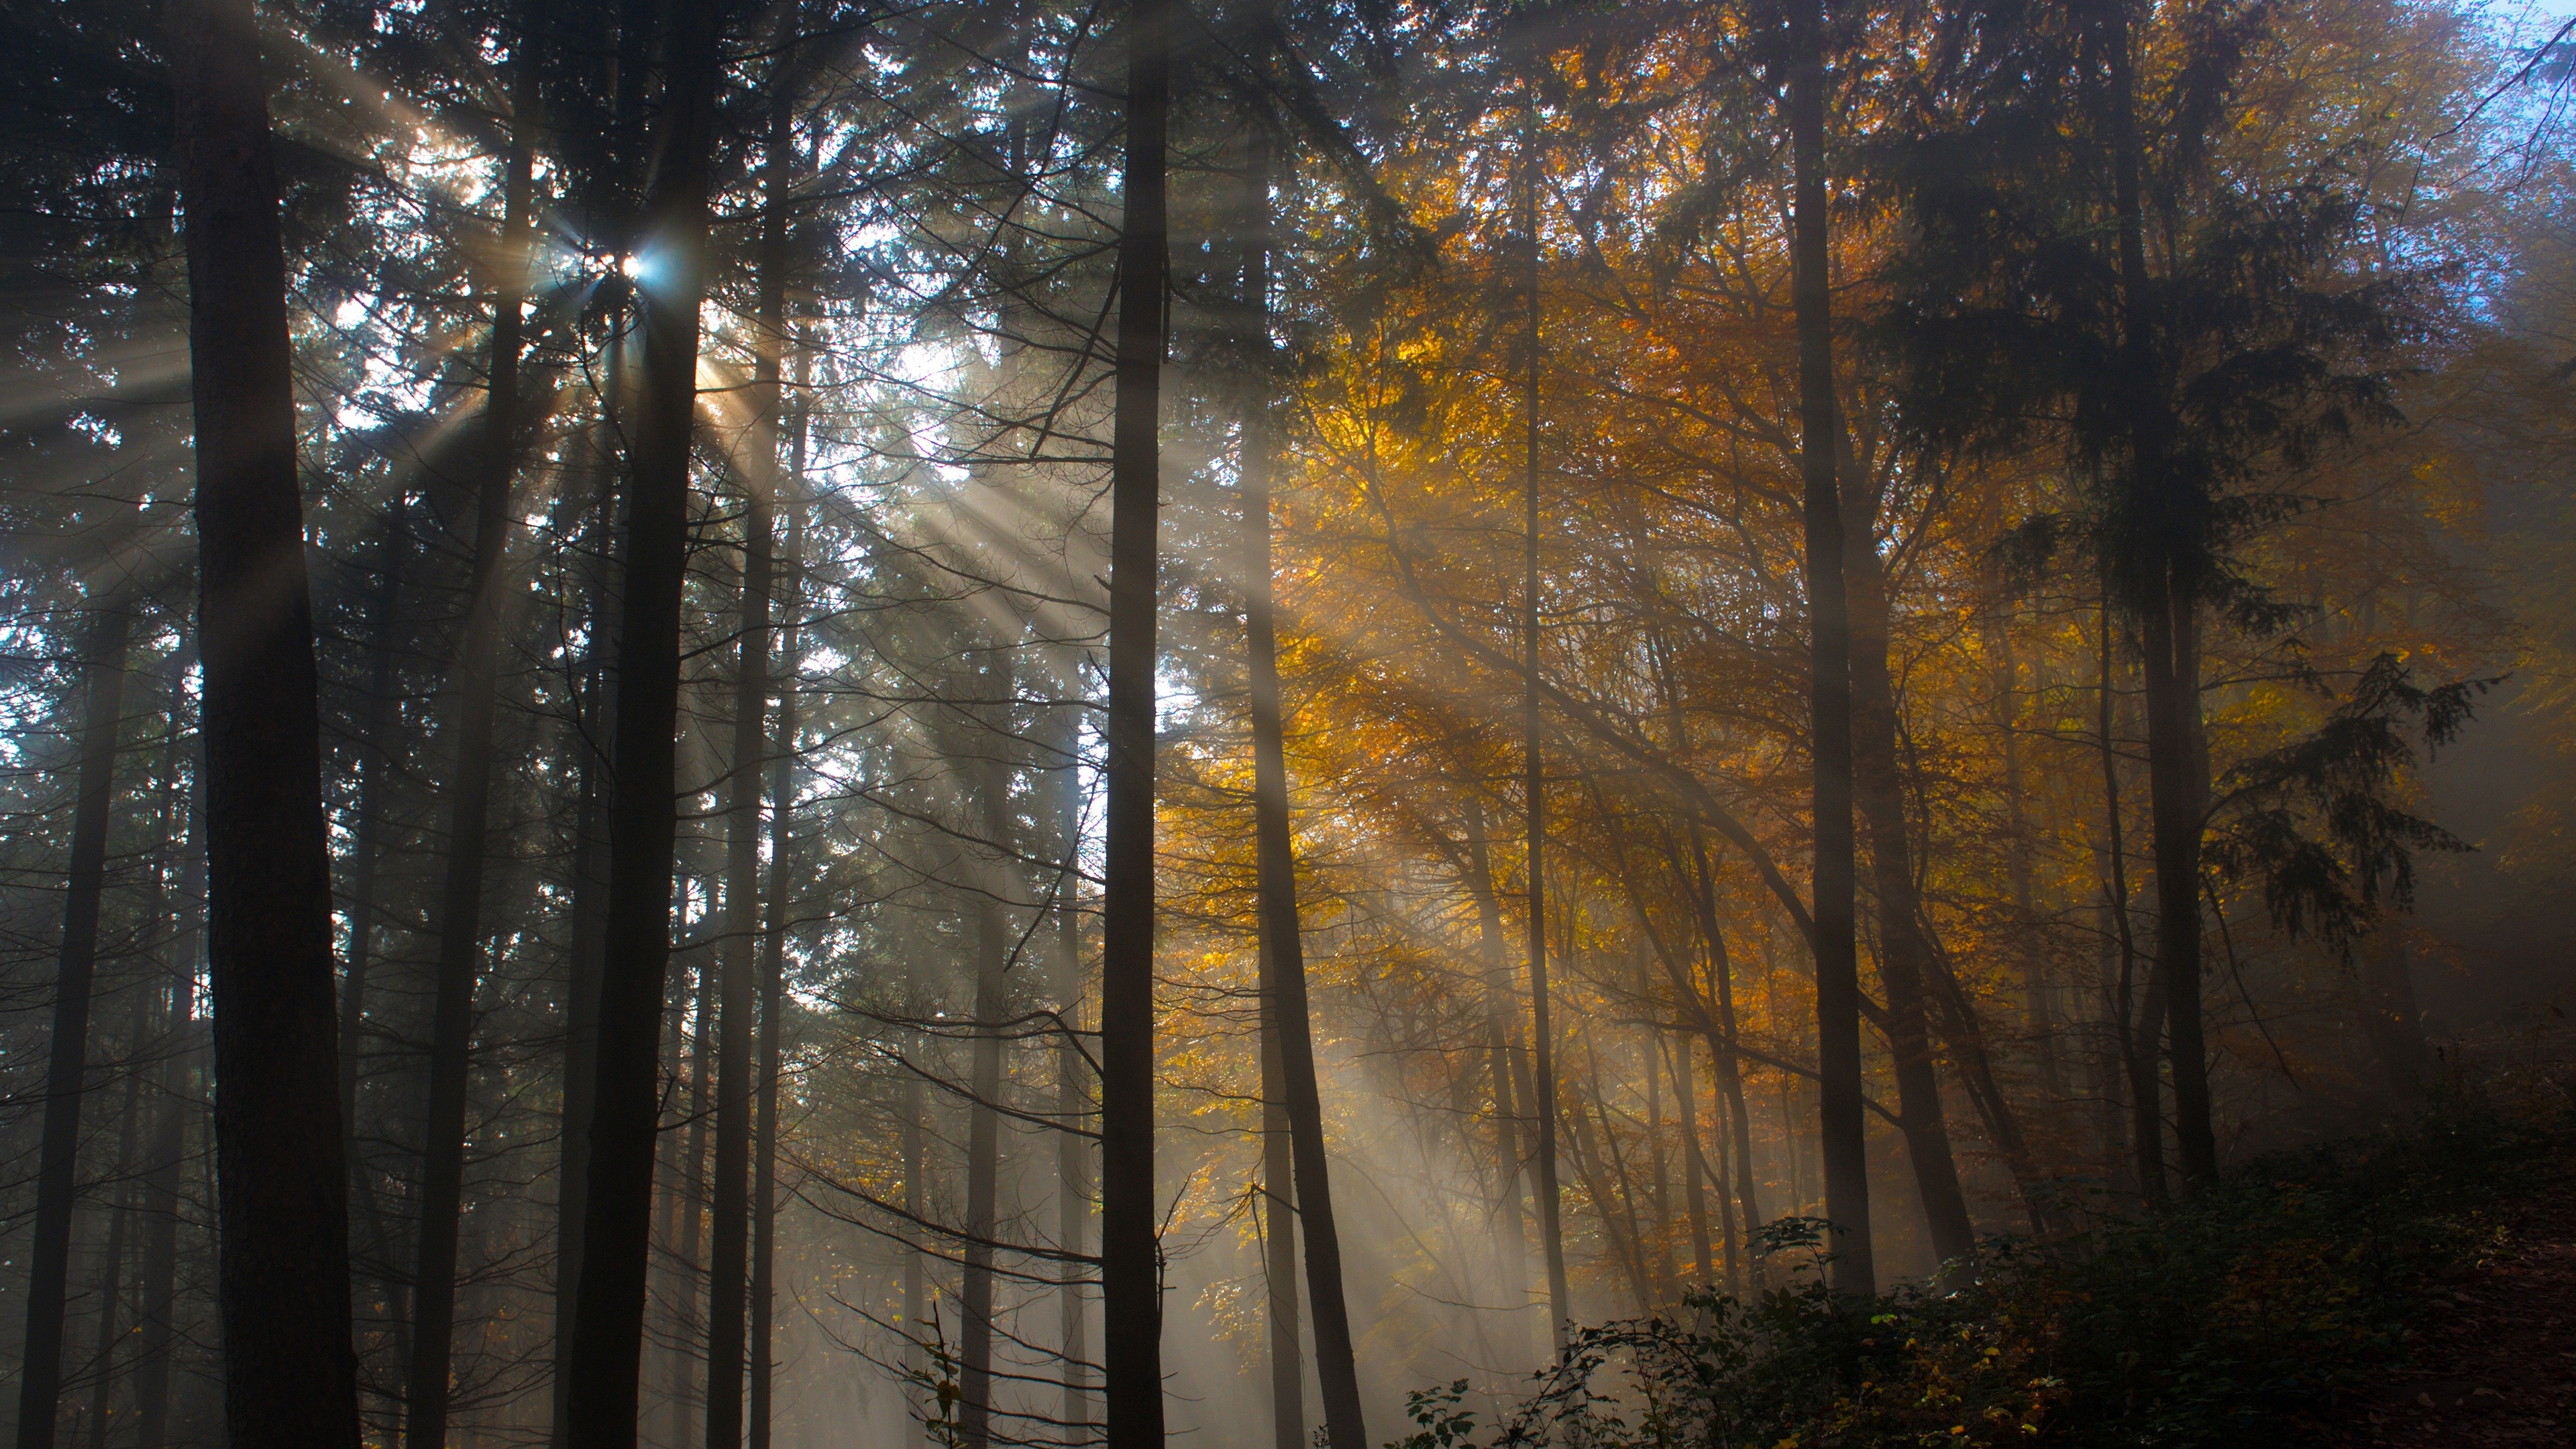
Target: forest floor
x=2493, y=1359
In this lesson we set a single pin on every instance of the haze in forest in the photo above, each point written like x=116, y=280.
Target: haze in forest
x=744, y=724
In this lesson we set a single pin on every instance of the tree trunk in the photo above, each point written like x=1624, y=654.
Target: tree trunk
x=156, y=1326
x=1534, y=782
x=608, y=1325
x=588, y=953
x=773, y=948
x=983, y=1118
x=111, y=1286
x=2137, y=1040
x=687, y=1195
x=1904, y=956
x=366, y=852
x=1279, y=1240
x=1072, y=1065
x=67, y=1064
x=2167, y=605
x=738, y=1081
x=477, y=679
x=1728, y=1066
x=1130, y=1276
x=1513, y=1147
x=1283, y=954
x=1837, y=949
x=1694, y=1164
x=290, y=1372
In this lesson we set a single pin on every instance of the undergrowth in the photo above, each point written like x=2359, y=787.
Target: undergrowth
x=2241, y=1313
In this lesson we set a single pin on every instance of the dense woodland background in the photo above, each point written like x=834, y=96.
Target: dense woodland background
x=2192, y=501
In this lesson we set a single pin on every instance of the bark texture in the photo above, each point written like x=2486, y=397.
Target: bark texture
x=282, y=1260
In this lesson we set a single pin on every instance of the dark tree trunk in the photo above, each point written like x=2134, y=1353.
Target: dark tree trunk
x=1551, y=1234
x=608, y=1323
x=111, y=1275
x=1130, y=1276
x=738, y=1081
x=477, y=676
x=156, y=1327
x=2136, y=1042
x=589, y=906
x=1279, y=1243
x=1283, y=955
x=67, y=1065
x=773, y=948
x=1904, y=956
x=2166, y=602
x=1837, y=951
x=374, y=1249
x=290, y=1372
x=685, y=1199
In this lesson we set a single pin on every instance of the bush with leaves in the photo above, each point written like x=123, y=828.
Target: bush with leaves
x=2246, y=1311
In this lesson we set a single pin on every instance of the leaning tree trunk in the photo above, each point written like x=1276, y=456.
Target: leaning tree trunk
x=460, y=930
x=67, y=1066
x=1904, y=956
x=1130, y=1276
x=1837, y=950
x=282, y=1259
x=1283, y=955
x=608, y=1323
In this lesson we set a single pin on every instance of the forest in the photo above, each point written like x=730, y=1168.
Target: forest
x=1271, y=722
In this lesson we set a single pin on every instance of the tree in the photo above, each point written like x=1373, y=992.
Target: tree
x=608, y=1325
x=290, y=1374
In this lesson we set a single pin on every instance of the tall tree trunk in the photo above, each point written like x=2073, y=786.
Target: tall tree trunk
x=608, y=1325
x=738, y=1081
x=375, y=1252
x=1837, y=949
x=687, y=1195
x=983, y=1117
x=2167, y=605
x=916, y=1203
x=1513, y=1144
x=1724, y=1061
x=1551, y=1234
x=588, y=954
x=111, y=1276
x=1072, y=1065
x=1658, y=1174
x=773, y=945
x=1279, y=1240
x=477, y=680
x=156, y=1325
x=1904, y=956
x=282, y=1266
x=2136, y=1041
x=1694, y=1163
x=1130, y=1277
x=67, y=1065
x=1283, y=952
x=2039, y=1017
